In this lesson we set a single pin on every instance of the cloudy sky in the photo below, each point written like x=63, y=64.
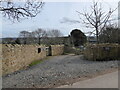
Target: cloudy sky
x=53, y=16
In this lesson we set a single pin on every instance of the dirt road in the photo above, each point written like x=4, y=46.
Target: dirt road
x=57, y=71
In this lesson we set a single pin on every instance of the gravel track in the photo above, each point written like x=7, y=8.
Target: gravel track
x=55, y=70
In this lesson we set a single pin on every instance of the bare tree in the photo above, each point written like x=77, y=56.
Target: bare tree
x=15, y=10
x=54, y=33
x=24, y=35
x=40, y=33
x=54, y=36
x=110, y=34
x=97, y=19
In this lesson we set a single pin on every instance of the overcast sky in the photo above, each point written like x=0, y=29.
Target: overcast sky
x=53, y=13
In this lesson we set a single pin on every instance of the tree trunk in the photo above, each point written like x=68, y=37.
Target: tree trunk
x=25, y=41
x=39, y=41
x=97, y=35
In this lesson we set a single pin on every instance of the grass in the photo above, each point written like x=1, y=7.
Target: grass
x=35, y=62
x=38, y=61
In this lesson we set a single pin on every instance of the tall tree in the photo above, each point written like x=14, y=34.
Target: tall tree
x=15, y=10
x=78, y=37
x=97, y=18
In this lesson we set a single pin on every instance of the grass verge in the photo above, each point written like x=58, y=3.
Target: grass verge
x=35, y=63
x=38, y=61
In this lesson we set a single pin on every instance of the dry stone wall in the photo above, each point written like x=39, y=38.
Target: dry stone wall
x=16, y=57
x=0, y=60
x=102, y=52
x=57, y=49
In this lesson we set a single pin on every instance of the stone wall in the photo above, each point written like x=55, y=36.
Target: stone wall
x=102, y=52
x=16, y=57
x=0, y=60
x=57, y=49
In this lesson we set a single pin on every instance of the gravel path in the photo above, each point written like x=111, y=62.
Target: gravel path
x=55, y=70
